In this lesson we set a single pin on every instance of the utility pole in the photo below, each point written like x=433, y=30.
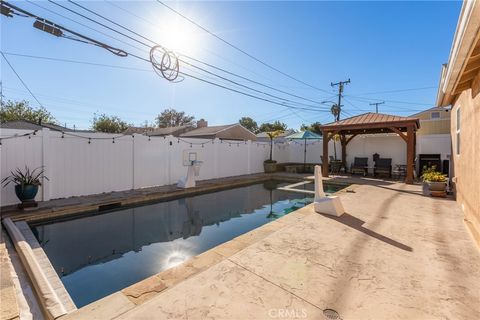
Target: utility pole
x=376, y=105
x=340, y=91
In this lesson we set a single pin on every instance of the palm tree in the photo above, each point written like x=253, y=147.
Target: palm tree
x=335, y=112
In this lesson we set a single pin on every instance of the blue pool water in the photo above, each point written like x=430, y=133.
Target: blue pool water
x=99, y=254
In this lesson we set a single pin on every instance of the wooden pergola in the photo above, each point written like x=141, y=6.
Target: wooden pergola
x=371, y=123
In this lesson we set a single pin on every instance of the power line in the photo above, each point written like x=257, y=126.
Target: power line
x=58, y=31
x=202, y=69
x=21, y=80
x=286, y=105
x=186, y=74
x=194, y=59
x=239, y=49
x=394, y=91
x=393, y=101
x=83, y=25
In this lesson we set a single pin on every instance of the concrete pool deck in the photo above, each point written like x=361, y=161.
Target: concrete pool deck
x=395, y=254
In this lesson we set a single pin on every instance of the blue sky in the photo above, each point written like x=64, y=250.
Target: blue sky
x=380, y=46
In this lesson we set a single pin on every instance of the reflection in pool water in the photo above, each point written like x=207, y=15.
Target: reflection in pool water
x=99, y=254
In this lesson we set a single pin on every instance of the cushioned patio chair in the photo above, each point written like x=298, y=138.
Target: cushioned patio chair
x=359, y=165
x=383, y=166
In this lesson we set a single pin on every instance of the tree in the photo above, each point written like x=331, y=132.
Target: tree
x=173, y=118
x=249, y=124
x=20, y=110
x=314, y=127
x=275, y=126
x=109, y=124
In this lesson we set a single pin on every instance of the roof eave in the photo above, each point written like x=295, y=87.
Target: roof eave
x=463, y=44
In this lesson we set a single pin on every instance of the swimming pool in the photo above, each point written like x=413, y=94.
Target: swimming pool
x=98, y=254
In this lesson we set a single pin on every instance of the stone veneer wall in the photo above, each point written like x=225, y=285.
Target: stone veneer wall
x=466, y=165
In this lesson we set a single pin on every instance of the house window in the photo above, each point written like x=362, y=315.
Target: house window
x=435, y=115
x=458, y=131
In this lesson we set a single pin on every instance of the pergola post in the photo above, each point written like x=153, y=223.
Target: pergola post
x=410, y=154
x=326, y=137
x=343, y=142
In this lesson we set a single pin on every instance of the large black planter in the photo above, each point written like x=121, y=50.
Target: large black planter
x=26, y=192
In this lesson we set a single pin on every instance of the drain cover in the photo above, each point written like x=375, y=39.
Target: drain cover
x=331, y=314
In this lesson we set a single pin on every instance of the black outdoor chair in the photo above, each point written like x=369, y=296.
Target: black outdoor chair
x=383, y=166
x=359, y=165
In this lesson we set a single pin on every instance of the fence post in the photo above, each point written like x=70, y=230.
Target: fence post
x=133, y=161
x=170, y=147
x=46, y=164
x=216, y=143
x=249, y=156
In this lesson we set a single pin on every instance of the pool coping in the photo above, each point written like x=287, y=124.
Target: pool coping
x=97, y=202
x=143, y=290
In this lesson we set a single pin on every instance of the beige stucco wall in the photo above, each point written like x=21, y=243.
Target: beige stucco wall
x=439, y=126
x=467, y=164
x=434, y=126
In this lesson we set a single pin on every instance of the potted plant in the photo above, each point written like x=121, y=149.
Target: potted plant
x=26, y=182
x=434, y=182
x=270, y=165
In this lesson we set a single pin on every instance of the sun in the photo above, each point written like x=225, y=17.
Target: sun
x=179, y=37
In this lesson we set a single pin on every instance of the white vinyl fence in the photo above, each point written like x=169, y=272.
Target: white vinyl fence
x=76, y=165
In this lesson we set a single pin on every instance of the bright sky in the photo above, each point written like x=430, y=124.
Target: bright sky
x=380, y=46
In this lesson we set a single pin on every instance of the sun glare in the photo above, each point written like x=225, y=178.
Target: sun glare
x=179, y=37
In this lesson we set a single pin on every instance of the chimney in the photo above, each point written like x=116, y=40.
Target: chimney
x=202, y=123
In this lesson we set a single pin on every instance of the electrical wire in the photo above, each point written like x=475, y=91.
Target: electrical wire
x=155, y=26
x=82, y=24
x=183, y=73
x=45, y=22
x=21, y=80
x=239, y=49
x=395, y=91
x=186, y=74
x=393, y=101
x=176, y=67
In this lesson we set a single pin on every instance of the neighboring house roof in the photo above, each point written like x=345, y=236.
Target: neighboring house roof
x=174, y=131
x=370, y=118
x=228, y=132
x=29, y=125
x=139, y=130
x=433, y=109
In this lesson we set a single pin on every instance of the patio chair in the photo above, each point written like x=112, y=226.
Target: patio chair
x=359, y=165
x=383, y=166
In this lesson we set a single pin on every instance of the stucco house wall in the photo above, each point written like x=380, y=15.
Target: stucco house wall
x=466, y=163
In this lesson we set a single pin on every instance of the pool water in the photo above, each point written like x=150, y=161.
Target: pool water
x=99, y=254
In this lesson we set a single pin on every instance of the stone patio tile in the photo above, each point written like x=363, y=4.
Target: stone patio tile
x=141, y=291
x=383, y=259
x=9, y=306
x=231, y=247
x=107, y=308
x=225, y=291
x=191, y=267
